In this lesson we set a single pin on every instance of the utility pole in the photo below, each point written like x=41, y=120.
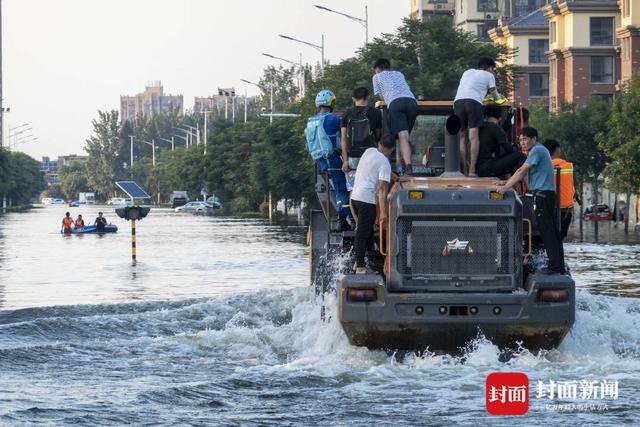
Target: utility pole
x=271, y=102
x=245, y=106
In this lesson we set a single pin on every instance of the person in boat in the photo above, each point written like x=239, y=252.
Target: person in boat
x=100, y=223
x=67, y=223
x=79, y=221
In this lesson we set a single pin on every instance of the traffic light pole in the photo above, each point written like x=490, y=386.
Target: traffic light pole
x=133, y=241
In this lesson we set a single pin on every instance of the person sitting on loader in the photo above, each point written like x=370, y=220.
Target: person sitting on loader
x=496, y=157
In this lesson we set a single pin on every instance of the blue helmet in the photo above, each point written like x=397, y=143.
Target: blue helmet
x=325, y=98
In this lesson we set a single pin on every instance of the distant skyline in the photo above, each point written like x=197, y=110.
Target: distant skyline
x=64, y=60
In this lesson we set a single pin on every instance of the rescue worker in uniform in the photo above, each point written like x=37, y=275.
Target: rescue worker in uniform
x=67, y=223
x=538, y=168
x=79, y=221
x=566, y=187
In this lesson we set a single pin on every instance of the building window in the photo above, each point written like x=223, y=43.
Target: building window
x=538, y=84
x=483, y=32
x=602, y=69
x=552, y=31
x=537, y=51
x=487, y=5
x=602, y=31
x=608, y=97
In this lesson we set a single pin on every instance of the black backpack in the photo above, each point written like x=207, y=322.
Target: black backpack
x=359, y=133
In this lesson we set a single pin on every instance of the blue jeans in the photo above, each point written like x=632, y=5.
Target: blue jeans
x=339, y=182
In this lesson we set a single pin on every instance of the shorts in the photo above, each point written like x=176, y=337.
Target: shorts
x=469, y=112
x=402, y=115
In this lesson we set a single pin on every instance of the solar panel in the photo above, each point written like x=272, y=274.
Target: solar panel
x=133, y=190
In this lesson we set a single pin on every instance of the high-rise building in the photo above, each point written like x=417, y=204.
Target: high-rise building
x=151, y=101
x=584, y=59
x=528, y=35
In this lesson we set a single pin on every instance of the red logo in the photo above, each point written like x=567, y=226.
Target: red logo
x=507, y=393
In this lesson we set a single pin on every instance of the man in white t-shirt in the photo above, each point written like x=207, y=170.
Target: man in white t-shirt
x=392, y=88
x=371, y=185
x=467, y=105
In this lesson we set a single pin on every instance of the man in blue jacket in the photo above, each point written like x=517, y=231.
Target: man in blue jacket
x=325, y=102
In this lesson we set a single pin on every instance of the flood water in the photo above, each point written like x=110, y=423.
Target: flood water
x=217, y=325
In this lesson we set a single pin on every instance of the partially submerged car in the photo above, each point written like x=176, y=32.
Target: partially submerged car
x=195, y=207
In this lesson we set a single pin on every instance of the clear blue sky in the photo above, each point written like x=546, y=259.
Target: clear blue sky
x=66, y=59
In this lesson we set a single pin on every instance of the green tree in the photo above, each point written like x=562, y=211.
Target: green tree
x=105, y=164
x=578, y=129
x=622, y=144
x=25, y=179
x=73, y=179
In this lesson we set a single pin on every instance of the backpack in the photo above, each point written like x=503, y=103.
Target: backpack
x=318, y=142
x=359, y=133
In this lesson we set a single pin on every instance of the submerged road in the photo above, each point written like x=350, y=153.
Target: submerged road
x=217, y=325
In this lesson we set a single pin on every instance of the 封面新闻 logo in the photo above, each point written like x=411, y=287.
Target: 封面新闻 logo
x=507, y=393
x=457, y=246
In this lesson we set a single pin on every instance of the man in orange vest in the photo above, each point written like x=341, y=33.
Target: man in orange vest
x=567, y=189
x=67, y=223
x=79, y=221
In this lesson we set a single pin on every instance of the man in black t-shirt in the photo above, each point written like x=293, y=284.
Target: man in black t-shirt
x=361, y=128
x=496, y=156
x=100, y=223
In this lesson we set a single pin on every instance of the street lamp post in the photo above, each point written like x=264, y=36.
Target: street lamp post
x=270, y=95
x=364, y=22
x=153, y=151
x=319, y=48
x=301, y=81
x=131, y=148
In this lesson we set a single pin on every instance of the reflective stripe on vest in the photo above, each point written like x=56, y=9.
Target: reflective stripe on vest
x=567, y=189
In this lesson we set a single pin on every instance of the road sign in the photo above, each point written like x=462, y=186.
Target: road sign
x=133, y=190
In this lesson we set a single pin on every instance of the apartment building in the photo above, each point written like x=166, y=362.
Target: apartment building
x=584, y=58
x=480, y=16
x=151, y=101
x=629, y=35
x=527, y=35
x=425, y=10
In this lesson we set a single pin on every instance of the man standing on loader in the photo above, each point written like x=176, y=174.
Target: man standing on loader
x=473, y=87
x=538, y=168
